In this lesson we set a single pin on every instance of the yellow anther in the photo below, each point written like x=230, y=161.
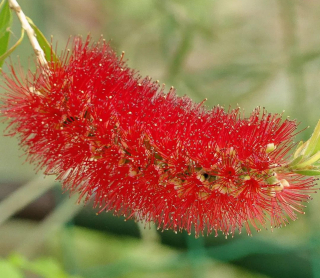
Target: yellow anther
x=284, y=183
x=270, y=148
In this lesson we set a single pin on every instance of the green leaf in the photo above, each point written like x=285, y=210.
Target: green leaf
x=295, y=161
x=4, y=43
x=6, y=54
x=44, y=44
x=299, y=150
x=314, y=142
x=308, y=172
x=5, y=18
x=5, y=24
x=2, y=2
x=311, y=160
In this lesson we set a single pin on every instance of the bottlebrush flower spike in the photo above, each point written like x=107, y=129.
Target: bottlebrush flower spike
x=139, y=152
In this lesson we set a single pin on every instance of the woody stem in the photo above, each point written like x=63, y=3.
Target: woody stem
x=30, y=32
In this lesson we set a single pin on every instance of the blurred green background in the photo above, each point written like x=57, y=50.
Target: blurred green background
x=251, y=53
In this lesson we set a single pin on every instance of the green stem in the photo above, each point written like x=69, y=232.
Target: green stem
x=24, y=196
x=149, y=234
x=197, y=256
x=53, y=222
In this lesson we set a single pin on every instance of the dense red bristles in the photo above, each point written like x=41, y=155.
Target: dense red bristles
x=139, y=152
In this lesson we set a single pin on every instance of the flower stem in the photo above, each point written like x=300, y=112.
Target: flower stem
x=30, y=32
x=53, y=222
x=24, y=196
x=148, y=235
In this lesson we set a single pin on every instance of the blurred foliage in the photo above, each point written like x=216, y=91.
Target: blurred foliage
x=15, y=266
x=91, y=254
x=249, y=52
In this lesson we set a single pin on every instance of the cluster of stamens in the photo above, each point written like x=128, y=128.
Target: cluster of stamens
x=119, y=139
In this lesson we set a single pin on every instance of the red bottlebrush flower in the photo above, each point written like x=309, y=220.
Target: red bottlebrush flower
x=119, y=139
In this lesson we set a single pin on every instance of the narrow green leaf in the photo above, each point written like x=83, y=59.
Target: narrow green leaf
x=4, y=43
x=5, y=18
x=44, y=44
x=311, y=160
x=2, y=2
x=314, y=142
x=299, y=149
x=295, y=161
x=308, y=172
x=5, y=24
x=6, y=54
